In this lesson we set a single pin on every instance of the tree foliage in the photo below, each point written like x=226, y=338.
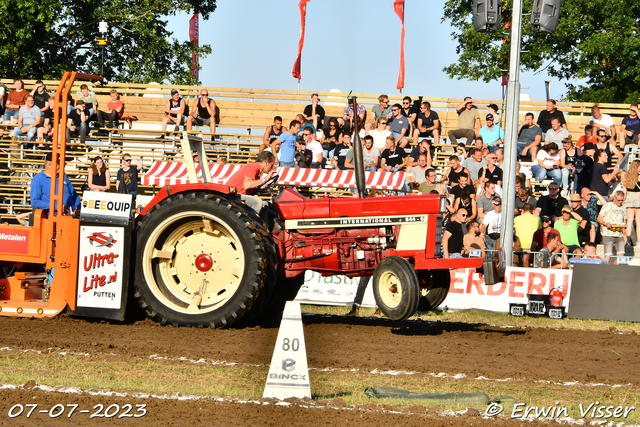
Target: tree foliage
x=595, y=48
x=44, y=38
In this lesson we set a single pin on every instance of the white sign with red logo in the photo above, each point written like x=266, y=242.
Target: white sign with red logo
x=467, y=289
x=100, y=267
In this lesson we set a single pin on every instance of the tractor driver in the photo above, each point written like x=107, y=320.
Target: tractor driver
x=248, y=177
x=41, y=187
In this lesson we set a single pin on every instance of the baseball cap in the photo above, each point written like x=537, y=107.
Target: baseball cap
x=49, y=157
x=174, y=91
x=576, y=198
x=545, y=218
x=315, y=94
x=494, y=106
x=566, y=208
x=589, y=146
x=497, y=200
x=489, y=117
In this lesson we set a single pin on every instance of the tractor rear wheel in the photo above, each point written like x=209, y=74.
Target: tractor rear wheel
x=199, y=261
x=434, y=288
x=396, y=288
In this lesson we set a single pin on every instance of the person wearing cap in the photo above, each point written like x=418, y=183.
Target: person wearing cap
x=529, y=137
x=175, y=111
x=551, y=204
x=41, y=189
x=585, y=226
x=545, y=116
x=568, y=227
x=430, y=181
x=630, y=127
x=204, y=112
x=526, y=224
x=493, y=110
x=314, y=112
x=492, y=223
x=427, y=124
x=541, y=236
x=492, y=134
x=468, y=122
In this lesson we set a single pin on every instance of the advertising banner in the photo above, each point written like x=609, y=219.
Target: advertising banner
x=100, y=267
x=467, y=289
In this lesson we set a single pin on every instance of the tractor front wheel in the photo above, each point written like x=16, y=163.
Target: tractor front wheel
x=396, y=288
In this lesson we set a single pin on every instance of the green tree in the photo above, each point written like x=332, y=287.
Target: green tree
x=595, y=48
x=44, y=38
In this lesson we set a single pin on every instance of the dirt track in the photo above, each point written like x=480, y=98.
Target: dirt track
x=334, y=342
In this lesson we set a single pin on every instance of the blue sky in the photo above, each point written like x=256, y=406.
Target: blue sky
x=349, y=45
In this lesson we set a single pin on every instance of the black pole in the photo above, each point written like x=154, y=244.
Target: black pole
x=357, y=151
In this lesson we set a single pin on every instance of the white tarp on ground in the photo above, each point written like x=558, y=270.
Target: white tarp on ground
x=467, y=289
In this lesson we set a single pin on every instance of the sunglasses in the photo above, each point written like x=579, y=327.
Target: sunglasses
x=553, y=188
x=126, y=160
x=395, y=109
x=602, y=136
x=405, y=103
x=204, y=94
x=383, y=123
x=463, y=215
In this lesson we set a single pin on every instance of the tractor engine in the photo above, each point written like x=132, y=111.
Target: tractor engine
x=352, y=251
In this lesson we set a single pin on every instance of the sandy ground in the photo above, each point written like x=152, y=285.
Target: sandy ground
x=332, y=342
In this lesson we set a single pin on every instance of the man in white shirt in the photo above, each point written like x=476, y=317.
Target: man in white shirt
x=315, y=147
x=603, y=121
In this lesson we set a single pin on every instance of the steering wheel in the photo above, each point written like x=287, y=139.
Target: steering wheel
x=268, y=183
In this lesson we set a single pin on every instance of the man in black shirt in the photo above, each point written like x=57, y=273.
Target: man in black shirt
x=314, y=112
x=78, y=122
x=452, y=240
x=545, y=116
x=584, y=227
x=584, y=164
x=463, y=185
x=341, y=151
x=551, y=204
x=491, y=172
x=455, y=171
x=393, y=157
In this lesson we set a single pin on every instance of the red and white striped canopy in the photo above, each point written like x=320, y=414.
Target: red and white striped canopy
x=171, y=173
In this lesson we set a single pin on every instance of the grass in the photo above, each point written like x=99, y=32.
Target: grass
x=490, y=318
x=170, y=376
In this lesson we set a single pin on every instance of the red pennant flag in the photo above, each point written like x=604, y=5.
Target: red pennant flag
x=303, y=17
x=398, y=6
x=194, y=37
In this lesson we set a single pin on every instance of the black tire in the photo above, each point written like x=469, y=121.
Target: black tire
x=434, y=288
x=396, y=288
x=168, y=283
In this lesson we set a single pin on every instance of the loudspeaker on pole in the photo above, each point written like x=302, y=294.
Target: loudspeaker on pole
x=289, y=373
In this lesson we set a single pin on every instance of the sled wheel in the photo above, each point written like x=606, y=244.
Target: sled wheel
x=434, y=288
x=395, y=288
x=199, y=261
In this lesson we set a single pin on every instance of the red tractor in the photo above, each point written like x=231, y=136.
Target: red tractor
x=197, y=256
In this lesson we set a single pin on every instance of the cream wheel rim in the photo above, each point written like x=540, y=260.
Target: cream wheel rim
x=171, y=266
x=390, y=289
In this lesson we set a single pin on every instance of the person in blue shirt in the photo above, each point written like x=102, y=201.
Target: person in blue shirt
x=288, y=146
x=492, y=134
x=41, y=189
